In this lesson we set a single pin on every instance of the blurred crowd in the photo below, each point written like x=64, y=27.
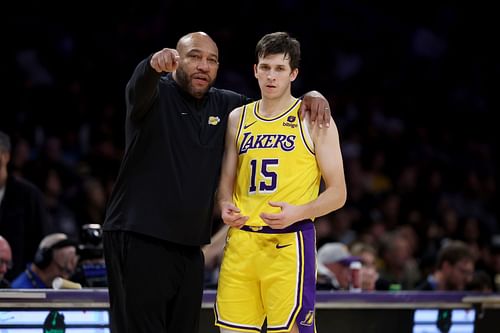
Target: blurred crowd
x=411, y=87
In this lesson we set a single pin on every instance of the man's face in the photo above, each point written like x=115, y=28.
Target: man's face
x=5, y=259
x=198, y=65
x=458, y=275
x=65, y=260
x=274, y=74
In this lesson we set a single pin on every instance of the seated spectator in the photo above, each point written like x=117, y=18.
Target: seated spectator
x=399, y=269
x=490, y=261
x=56, y=257
x=481, y=281
x=370, y=279
x=454, y=269
x=91, y=268
x=5, y=262
x=333, y=267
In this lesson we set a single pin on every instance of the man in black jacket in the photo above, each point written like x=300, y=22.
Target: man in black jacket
x=160, y=211
x=23, y=214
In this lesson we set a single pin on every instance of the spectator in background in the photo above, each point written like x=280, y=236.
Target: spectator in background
x=491, y=263
x=51, y=157
x=480, y=281
x=56, y=257
x=23, y=214
x=369, y=274
x=61, y=217
x=454, y=268
x=5, y=262
x=91, y=205
x=333, y=267
x=20, y=158
x=398, y=266
x=336, y=226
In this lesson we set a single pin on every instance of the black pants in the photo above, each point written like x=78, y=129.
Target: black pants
x=154, y=285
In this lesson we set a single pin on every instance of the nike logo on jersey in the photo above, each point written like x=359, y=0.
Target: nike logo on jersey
x=280, y=246
x=248, y=125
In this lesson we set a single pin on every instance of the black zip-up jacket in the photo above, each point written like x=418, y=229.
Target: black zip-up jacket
x=23, y=222
x=170, y=170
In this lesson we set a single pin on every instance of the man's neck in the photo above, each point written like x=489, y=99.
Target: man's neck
x=272, y=107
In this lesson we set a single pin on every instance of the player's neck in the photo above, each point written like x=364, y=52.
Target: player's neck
x=271, y=107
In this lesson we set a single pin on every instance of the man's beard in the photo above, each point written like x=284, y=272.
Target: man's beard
x=183, y=81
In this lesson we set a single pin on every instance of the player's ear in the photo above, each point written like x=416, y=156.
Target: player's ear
x=294, y=74
x=255, y=70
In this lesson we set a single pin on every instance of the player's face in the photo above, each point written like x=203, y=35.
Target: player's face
x=274, y=74
x=198, y=65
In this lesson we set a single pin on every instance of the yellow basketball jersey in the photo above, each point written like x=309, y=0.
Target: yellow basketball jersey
x=276, y=162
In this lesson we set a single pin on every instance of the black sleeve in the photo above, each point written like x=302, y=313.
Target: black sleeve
x=141, y=90
x=246, y=99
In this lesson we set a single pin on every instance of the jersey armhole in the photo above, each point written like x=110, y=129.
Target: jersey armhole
x=306, y=133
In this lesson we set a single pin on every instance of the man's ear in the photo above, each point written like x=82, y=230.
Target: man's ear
x=294, y=74
x=4, y=158
x=255, y=70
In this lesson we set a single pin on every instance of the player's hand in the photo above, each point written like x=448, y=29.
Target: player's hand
x=287, y=216
x=165, y=60
x=318, y=106
x=231, y=215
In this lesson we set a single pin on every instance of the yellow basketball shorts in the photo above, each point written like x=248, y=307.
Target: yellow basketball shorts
x=268, y=274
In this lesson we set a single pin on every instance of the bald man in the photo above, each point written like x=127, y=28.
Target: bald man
x=161, y=207
x=5, y=262
x=56, y=257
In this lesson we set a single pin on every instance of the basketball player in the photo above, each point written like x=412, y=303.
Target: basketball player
x=269, y=195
